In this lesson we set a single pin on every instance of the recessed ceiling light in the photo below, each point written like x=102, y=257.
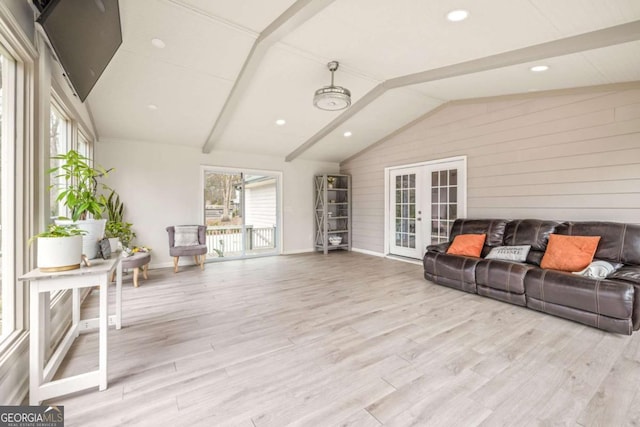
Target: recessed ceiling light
x=158, y=43
x=152, y=107
x=457, y=15
x=281, y=122
x=539, y=68
x=347, y=134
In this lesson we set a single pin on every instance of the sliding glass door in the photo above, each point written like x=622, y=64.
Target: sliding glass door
x=241, y=211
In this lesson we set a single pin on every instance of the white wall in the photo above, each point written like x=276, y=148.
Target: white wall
x=566, y=155
x=160, y=185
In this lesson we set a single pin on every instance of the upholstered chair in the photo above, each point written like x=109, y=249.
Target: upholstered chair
x=187, y=240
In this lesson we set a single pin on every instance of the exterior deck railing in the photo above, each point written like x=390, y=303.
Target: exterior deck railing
x=228, y=240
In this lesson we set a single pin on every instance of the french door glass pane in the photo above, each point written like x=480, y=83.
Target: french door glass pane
x=405, y=209
x=444, y=203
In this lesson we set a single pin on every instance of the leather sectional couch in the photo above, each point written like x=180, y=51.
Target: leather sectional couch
x=611, y=304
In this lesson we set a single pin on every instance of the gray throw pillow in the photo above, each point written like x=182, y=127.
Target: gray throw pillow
x=598, y=269
x=510, y=253
x=186, y=235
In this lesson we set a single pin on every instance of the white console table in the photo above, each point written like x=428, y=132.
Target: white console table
x=41, y=386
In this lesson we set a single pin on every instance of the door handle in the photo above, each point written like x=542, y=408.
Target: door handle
x=418, y=219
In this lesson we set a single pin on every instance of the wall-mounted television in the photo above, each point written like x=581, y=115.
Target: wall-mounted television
x=85, y=35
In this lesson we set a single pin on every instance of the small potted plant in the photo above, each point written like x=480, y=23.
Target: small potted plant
x=59, y=248
x=119, y=231
x=331, y=181
x=78, y=192
x=116, y=228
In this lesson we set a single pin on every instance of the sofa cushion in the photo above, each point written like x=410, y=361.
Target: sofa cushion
x=618, y=243
x=510, y=253
x=628, y=273
x=503, y=275
x=534, y=232
x=606, y=323
x=606, y=297
x=467, y=244
x=454, y=271
x=493, y=228
x=569, y=253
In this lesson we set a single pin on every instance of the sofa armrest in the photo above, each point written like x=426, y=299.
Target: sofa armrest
x=441, y=248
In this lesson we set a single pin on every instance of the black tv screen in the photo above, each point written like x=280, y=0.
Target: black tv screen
x=85, y=35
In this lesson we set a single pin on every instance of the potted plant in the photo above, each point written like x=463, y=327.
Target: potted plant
x=331, y=181
x=59, y=248
x=116, y=228
x=119, y=231
x=78, y=193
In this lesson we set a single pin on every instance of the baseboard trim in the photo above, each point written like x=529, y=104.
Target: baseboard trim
x=368, y=252
x=404, y=259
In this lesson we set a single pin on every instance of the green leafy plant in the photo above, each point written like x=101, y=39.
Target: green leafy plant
x=54, y=230
x=80, y=185
x=113, y=206
x=120, y=230
x=116, y=227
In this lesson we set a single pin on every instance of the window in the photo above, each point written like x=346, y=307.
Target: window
x=7, y=193
x=59, y=144
x=84, y=148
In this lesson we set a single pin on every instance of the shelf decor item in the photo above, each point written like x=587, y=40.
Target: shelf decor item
x=331, y=181
x=335, y=240
x=332, y=212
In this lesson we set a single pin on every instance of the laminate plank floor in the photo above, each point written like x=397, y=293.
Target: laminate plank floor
x=344, y=339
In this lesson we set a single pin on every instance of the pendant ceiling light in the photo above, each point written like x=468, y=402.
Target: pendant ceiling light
x=332, y=98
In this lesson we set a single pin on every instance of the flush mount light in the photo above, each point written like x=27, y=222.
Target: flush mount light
x=158, y=43
x=152, y=107
x=332, y=98
x=281, y=122
x=539, y=68
x=457, y=15
x=347, y=134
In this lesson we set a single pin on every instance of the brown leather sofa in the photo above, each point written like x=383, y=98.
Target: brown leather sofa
x=611, y=304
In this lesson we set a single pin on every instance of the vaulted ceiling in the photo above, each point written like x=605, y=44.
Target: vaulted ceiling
x=229, y=69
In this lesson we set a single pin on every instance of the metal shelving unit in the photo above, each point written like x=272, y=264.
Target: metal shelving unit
x=332, y=212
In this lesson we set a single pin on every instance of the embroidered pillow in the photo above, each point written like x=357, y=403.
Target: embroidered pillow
x=598, y=269
x=186, y=235
x=467, y=244
x=569, y=253
x=510, y=253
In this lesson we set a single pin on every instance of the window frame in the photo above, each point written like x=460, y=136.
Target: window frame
x=21, y=49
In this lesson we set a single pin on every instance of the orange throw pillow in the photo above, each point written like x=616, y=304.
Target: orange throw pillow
x=569, y=253
x=467, y=244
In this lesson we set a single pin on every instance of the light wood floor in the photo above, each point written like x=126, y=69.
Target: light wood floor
x=350, y=340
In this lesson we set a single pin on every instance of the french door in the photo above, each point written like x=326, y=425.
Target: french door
x=425, y=200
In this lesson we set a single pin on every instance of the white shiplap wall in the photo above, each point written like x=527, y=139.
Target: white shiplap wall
x=564, y=155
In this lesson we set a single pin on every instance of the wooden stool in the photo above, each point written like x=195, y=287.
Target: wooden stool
x=135, y=261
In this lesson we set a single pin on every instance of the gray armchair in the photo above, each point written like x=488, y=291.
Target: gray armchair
x=191, y=241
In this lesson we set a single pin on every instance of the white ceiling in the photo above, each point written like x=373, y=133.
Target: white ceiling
x=377, y=42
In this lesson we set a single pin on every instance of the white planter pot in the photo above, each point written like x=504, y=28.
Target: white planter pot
x=115, y=244
x=59, y=253
x=95, y=232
